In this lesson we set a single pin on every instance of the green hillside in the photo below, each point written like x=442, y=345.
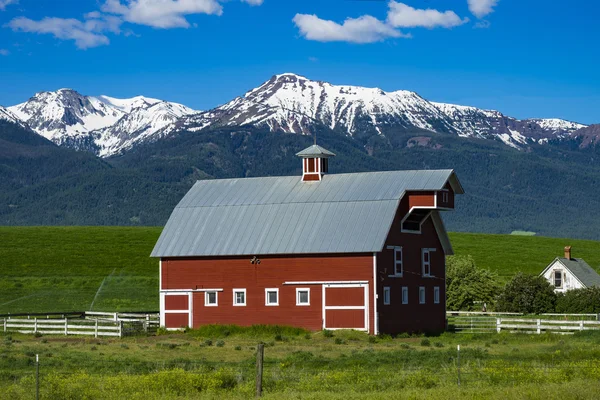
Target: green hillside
x=109, y=269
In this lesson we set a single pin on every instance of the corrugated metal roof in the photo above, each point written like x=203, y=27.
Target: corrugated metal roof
x=343, y=213
x=315, y=151
x=586, y=274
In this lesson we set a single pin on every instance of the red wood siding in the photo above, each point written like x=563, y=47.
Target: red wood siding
x=228, y=273
x=345, y=319
x=176, y=302
x=353, y=296
x=176, y=320
x=421, y=199
x=411, y=317
x=311, y=177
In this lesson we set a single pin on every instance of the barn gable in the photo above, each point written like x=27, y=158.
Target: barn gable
x=341, y=213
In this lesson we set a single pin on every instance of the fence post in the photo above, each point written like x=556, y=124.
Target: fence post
x=458, y=362
x=66, y=327
x=5, y=323
x=120, y=329
x=539, y=326
x=37, y=377
x=116, y=317
x=581, y=325
x=259, y=368
x=96, y=329
x=498, y=324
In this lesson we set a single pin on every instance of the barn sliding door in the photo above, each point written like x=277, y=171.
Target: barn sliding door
x=177, y=311
x=345, y=306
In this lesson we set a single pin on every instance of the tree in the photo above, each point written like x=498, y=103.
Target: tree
x=467, y=284
x=578, y=301
x=529, y=294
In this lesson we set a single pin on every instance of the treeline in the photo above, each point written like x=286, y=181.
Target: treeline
x=469, y=288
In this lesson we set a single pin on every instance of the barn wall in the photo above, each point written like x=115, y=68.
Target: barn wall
x=228, y=273
x=411, y=317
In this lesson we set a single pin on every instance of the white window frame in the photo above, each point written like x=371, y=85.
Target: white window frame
x=445, y=196
x=386, y=296
x=404, y=294
x=206, y=303
x=298, y=290
x=427, y=263
x=436, y=295
x=562, y=278
x=235, y=292
x=267, y=290
x=422, y=295
x=396, y=250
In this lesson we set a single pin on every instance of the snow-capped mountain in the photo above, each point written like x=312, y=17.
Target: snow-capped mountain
x=286, y=102
x=292, y=103
x=7, y=115
x=102, y=124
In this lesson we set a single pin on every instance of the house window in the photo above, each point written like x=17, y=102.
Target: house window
x=558, y=279
x=436, y=295
x=426, y=261
x=272, y=297
x=445, y=196
x=397, y=260
x=239, y=297
x=404, y=295
x=210, y=299
x=303, y=297
x=386, y=296
x=421, y=295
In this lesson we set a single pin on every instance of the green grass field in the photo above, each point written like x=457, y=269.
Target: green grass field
x=220, y=363
x=45, y=269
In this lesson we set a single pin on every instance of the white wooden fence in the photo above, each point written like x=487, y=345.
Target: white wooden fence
x=95, y=324
x=489, y=324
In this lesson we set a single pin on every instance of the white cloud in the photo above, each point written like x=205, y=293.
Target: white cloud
x=86, y=34
x=483, y=24
x=161, y=13
x=401, y=15
x=4, y=3
x=254, y=2
x=365, y=29
x=481, y=8
x=4, y=52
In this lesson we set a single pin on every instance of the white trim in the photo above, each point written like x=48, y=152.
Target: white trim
x=375, y=313
x=422, y=221
x=190, y=290
x=364, y=307
x=177, y=311
x=191, y=310
x=206, y=303
x=422, y=290
x=405, y=292
x=337, y=283
x=236, y=291
x=298, y=290
x=267, y=290
x=161, y=300
x=395, y=249
x=428, y=251
x=160, y=275
x=346, y=307
x=436, y=293
x=386, y=299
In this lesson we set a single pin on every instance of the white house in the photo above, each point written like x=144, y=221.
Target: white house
x=567, y=273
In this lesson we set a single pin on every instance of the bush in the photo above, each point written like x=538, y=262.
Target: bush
x=37, y=334
x=438, y=344
x=220, y=343
x=579, y=301
x=466, y=284
x=529, y=294
x=327, y=333
x=372, y=339
x=238, y=348
x=425, y=342
x=208, y=342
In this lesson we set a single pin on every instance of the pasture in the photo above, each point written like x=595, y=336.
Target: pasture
x=218, y=362
x=45, y=269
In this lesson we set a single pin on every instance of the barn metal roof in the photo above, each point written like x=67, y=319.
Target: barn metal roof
x=342, y=213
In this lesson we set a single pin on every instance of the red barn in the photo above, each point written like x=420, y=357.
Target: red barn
x=361, y=251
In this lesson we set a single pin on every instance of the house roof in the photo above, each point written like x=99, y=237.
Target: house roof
x=582, y=271
x=315, y=151
x=342, y=213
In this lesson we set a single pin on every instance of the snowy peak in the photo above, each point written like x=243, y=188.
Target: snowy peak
x=127, y=105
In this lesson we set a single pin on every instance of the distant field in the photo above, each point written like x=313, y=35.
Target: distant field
x=109, y=268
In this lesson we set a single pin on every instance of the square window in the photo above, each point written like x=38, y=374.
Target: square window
x=421, y=295
x=272, y=297
x=239, y=297
x=436, y=295
x=386, y=296
x=404, y=295
x=303, y=297
x=210, y=299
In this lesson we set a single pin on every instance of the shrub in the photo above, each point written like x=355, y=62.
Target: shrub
x=425, y=342
x=220, y=343
x=37, y=334
x=527, y=294
x=579, y=301
x=467, y=284
x=372, y=339
x=327, y=333
x=238, y=348
x=438, y=344
x=405, y=346
x=208, y=342
x=308, y=336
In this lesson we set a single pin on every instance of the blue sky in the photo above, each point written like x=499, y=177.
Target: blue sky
x=529, y=58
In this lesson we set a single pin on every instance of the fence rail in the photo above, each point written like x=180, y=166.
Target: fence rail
x=488, y=324
x=89, y=323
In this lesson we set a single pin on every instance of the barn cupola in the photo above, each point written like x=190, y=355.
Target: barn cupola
x=315, y=162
